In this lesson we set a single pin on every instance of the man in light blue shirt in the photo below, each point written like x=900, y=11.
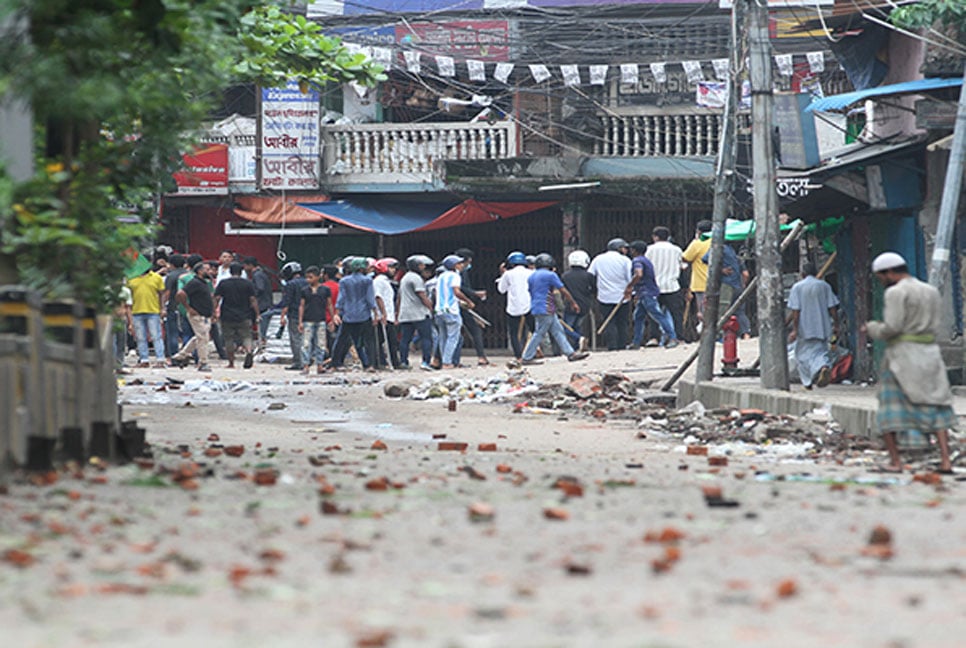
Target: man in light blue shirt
x=812, y=304
x=449, y=297
x=354, y=307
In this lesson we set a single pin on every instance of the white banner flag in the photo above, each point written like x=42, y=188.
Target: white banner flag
x=382, y=56
x=598, y=74
x=816, y=62
x=502, y=72
x=476, y=69
x=540, y=73
x=784, y=63
x=571, y=75
x=721, y=68
x=630, y=74
x=412, y=61
x=692, y=69
x=446, y=66
x=659, y=70
x=712, y=94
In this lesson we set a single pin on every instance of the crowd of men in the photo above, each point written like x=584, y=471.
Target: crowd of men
x=380, y=308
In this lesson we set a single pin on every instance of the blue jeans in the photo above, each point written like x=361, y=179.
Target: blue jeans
x=409, y=329
x=649, y=307
x=148, y=324
x=314, y=352
x=576, y=322
x=448, y=326
x=547, y=324
x=177, y=331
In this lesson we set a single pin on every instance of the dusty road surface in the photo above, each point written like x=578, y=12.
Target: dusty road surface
x=281, y=510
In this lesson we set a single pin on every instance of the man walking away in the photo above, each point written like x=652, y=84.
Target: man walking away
x=195, y=298
x=665, y=256
x=146, y=294
x=449, y=298
x=694, y=254
x=812, y=304
x=415, y=311
x=613, y=272
x=315, y=303
x=354, y=307
x=386, y=311
x=291, y=298
x=513, y=283
x=582, y=286
x=734, y=277
x=263, y=295
x=473, y=327
x=543, y=283
x=236, y=307
x=643, y=288
x=176, y=328
x=914, y=392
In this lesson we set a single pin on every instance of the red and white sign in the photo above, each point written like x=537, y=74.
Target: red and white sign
x=205, y=171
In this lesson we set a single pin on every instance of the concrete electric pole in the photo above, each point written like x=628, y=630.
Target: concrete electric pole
x=771, y=303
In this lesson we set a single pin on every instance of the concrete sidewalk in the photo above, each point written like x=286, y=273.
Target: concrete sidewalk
x=853, y=406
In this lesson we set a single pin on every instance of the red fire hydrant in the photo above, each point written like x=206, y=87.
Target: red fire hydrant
x=729, y=361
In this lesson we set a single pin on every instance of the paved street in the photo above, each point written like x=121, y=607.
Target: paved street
x=346, y=522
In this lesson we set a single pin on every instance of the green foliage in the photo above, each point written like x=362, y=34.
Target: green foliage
x=926, y=13
x=115, y=85
x=281, y=47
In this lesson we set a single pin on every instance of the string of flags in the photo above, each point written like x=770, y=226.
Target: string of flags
x=572, y=75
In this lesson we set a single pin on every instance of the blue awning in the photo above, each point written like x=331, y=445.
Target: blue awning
x=841, y=101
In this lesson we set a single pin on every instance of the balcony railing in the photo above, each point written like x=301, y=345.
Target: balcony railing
x=684, y=135
x=405, y=153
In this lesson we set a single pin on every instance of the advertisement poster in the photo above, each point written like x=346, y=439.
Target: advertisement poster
x=290, y=139
x=205, y=171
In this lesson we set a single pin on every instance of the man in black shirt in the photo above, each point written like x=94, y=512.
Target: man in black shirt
x=291, y=298
x=235, y=307
x=316, y=302
x=195, y=296
x=263, y=295
x=477, y=297
x=582, y=286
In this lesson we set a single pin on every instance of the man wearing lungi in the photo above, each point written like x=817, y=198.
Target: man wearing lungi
x=914, y=391
x=812, y=304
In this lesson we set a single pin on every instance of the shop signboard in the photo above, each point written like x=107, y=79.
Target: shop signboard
x=289, y=139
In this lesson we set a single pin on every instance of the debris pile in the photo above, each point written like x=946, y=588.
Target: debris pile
x=607, y=395
x=483, y=390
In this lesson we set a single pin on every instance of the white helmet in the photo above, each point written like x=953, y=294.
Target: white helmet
x=578, y=259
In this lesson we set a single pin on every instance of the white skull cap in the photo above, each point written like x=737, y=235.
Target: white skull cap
x=887, y=261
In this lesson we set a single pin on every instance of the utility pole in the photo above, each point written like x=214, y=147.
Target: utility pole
x=938, y=270
x=771, y=303
x=723, y=186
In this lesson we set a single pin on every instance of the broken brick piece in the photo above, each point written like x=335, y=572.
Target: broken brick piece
x=787, y=588
x=455, y=446
x=378, y=484
x=700, y=451
x=717, y=461
x=503, y=469
x=486, y=447
x=554, y=513
x=481, y=512
x=378, y=444
x=235, y=450
x=266, y=477
x=880, y=535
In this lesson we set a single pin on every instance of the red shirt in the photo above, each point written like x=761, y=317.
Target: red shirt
x=333, y=287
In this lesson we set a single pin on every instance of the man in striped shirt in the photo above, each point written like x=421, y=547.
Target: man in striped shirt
x=666, y=259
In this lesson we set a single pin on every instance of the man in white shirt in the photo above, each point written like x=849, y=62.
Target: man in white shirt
x=514, y=284
x=613, y=271
x=666, y=259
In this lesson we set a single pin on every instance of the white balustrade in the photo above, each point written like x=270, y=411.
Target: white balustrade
x=680, y=135
x=408, y=152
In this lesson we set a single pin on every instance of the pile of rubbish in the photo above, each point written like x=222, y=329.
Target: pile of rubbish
x=603, y=396
x=482, y=390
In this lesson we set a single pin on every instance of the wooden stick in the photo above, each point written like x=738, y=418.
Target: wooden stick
x=479, y=318
x=613, y=312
